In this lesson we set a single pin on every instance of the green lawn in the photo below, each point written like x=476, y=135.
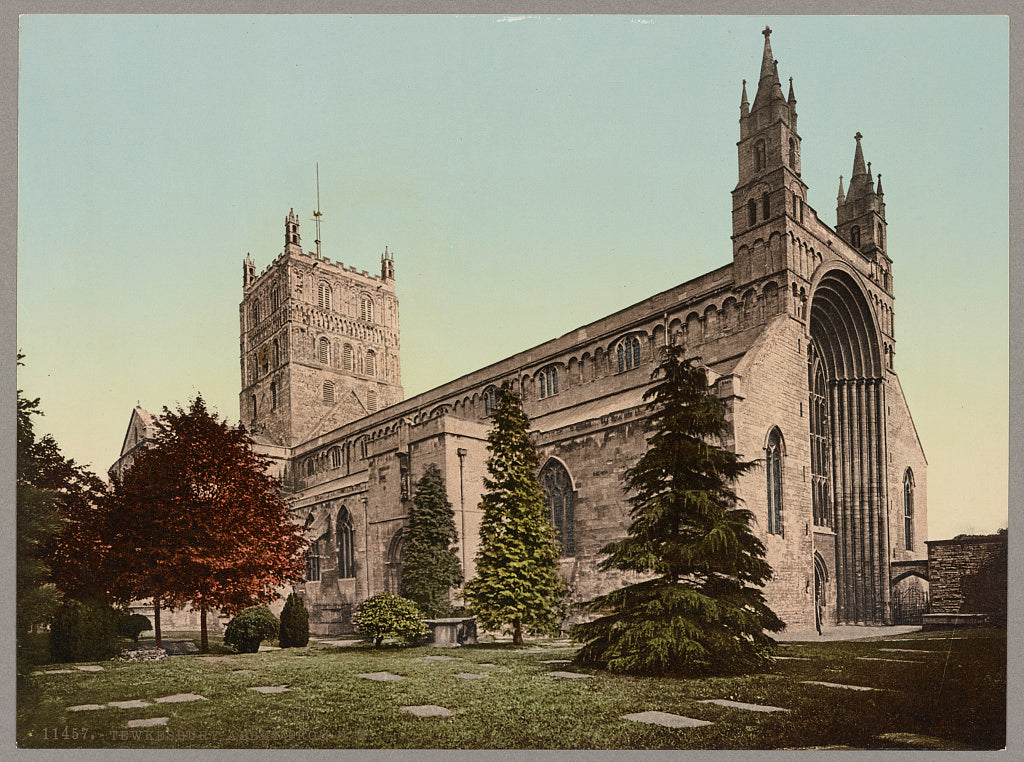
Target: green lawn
x=954, y=693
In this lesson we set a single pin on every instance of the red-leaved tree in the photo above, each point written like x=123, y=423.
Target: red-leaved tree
x=198, y=520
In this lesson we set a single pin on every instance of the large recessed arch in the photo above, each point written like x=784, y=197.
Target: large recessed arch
x=843, y=327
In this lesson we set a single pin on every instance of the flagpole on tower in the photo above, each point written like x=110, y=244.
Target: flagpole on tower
x=317, y=214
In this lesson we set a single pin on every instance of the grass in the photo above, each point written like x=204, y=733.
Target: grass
x=955, y=693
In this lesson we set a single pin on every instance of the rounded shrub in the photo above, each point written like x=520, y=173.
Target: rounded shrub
x=133, y=625
x=251, y=627
x=294, y=623
x=81, y=631
x=389, y=616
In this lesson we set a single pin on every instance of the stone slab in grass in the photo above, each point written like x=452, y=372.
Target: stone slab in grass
x=149, y=722
x=793, y=658
x=908, y=650
x=179, y=698
x=470, y=676
x=486, y=664
x=133, y=704
x=428, y=710
x=380, y=676
x=441, y=658
x=55, y=672
x=891, y=661
x=568, y=675
x=341, y=643
x=270, y=648
x=741, y=705
x=557, y=661
x=89, y=667
x=665, y=719
x=86, y=707
x=839, y=685
x=271, y=689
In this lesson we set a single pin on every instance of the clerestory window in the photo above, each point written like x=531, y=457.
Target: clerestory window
x=628, y=353
x=773, y=467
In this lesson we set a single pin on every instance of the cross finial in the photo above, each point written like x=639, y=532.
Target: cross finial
x=857, y=137
x=767, y=31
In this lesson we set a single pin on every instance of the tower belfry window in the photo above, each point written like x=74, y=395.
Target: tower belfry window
x=855, y=236
x=766, y=208
x=792, y=153
x=752, y=212
x=366, y=308
x=324, y=350
x=760, y=155
x=328, y=392
x=324, y=295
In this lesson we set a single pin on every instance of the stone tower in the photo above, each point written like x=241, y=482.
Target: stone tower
x=319, y=343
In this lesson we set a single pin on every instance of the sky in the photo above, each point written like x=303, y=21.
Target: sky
x=530, y=174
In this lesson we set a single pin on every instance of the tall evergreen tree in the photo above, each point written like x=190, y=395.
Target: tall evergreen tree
x=703, y=611
x=430, y=567
x=517, y=583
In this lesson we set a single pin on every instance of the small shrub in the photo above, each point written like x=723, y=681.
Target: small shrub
x=390, y=616
x=82, y=631
x=133, y=625
x=294, y=623
x=251, y=627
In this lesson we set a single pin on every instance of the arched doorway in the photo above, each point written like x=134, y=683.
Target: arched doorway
x=846, y=346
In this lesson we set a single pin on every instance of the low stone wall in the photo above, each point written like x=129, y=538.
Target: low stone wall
x=968, y=575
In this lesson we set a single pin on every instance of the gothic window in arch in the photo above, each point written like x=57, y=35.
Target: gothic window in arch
x=310, y=466
x=366, y=308
x=275, y=298
x=346, y=554
x=255, y=311
x=371, y=400
x=628, y=353
x=558, y=494
x=371, y=363
x=792, y=153
x=760, y=155
x=752, y=212
x=855, y=236
x=323, y=347
x=335, y=457
x=362, y=448
x=548, y=381
x=490, y=401
x=273, y=395
x=821, y=444
x=275, y=355
x=252, y=399
x=766, y=207
x=323, y=295
x=328, y=392
x=908, y=509
x=348, y=357
x=313, y=564
x=773, y=468
x=393, y=562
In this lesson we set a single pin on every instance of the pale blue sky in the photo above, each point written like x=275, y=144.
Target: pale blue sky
x=531, y=175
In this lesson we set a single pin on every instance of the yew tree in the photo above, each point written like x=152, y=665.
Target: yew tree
x=430, y=566
x=517, y=583
x=701, y=610
x=198, y=520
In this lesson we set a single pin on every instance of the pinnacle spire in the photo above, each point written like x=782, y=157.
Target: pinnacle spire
x=768, y=86
x=878, y=190
x=842, y=196
x=743, y=99
x=792, y=97
x=858, y=159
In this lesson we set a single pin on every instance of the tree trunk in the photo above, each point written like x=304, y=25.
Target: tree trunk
x=156, y=621
x=517, y=633
x=204, y=643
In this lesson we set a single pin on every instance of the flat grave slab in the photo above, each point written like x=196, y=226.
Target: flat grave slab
x=179, y=698
x=839, y=685
x=793, y=658
x=741, y=705
x=149, y=722
x=441, y=658
x=271, y=689
x=569, y=675
x=908, y=650
x=892, y=661
x=557, y=661
x=89, y=667
x=428, y=710
x=486, y=664
x=86, y=707
x=133, y=704
x=341, y=643
x=665, y=719
x=380, y=676
x=470, y=676
x=56, y=672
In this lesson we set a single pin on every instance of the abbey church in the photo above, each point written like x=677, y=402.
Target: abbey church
x=796, y=331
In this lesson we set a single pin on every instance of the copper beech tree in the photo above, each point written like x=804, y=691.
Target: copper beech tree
x=198, y=521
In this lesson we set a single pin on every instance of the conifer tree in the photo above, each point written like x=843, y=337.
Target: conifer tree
x=430, y=568
x=517, y=583
x=703, y=611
